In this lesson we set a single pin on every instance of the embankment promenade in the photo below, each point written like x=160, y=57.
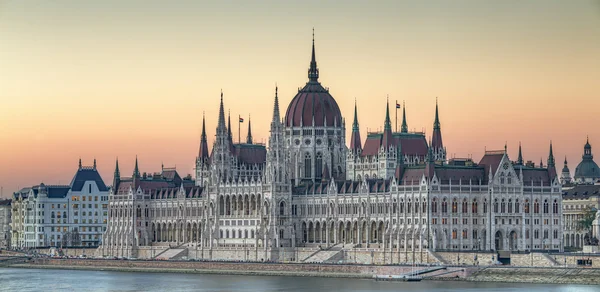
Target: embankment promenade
x=554, y=275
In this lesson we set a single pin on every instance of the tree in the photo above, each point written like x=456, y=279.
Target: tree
x=585, y=223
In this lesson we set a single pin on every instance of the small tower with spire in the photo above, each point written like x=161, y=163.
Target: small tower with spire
x=203, y=161
x=520, y=156
x=565, y=176
x=439, y=152
x=222, y=147
x=116, y=177
x=404, y=128
x=551, y=164
x=313, y=71
x=388, y=152
x=249, y=137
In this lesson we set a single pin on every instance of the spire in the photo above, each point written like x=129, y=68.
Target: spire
x=221, y=121
x=387, y=128
x=79, y=163
x=276, y=116
x=249, y=138
x=436, y=140
x=229, y=127
x=355, y=141
x=436, y=123
x=203, y=151
x=136, y=170
x=313, y=71
x=117, y=176
x=551, y=157
x=404, y=128
x=541, y=163
x=520, y=157
x=94, y=164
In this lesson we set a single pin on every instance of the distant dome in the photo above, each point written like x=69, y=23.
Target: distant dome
x=313, y=102
x=587, y=168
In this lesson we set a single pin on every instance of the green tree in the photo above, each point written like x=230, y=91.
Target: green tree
x=585, y=223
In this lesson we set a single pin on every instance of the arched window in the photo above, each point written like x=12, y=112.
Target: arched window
x=465, y=234
x=434, y=206
x=454, y=234
x=546, y=207
x=417, y=206
x=465, y=206
x=474, y=207
x=319, y=165
x=454, y=206
x=394, y=206
x=282, y=208
x=424, y=206
x=510, y=206
x=526, y=206
x=307, y=165
x=503, y=207
x=485, y=206
x=536, y=207
x=495, y=205
x=401, y=206
x=444, y=206
x=517, y=207
x=409, y=207
x=555, y=207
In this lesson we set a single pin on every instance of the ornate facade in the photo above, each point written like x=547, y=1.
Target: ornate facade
x=395, y=192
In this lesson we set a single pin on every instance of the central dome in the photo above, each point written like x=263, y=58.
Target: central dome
x=313, y=102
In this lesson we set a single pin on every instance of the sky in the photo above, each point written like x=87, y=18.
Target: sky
x=108, y=79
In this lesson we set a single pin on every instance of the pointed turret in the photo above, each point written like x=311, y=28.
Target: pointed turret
x=355, y=142
x=430, y=162
x=551, y=166
x=221, y=121
x=436, y=141
x=541, y=163
x=136, y=170
x=520, y=156
x=94, y=167
x=404, y=128
x=249, y=137
x=229, y=136
x=203, y=151
x=116, y=177
x=80, y=163
x=387, y=128
x=276, y=116
x=313, y=71
x=565, y=177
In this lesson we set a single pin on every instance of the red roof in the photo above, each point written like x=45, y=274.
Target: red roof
x=313, y=101
x=250, y=153
x=410, y=144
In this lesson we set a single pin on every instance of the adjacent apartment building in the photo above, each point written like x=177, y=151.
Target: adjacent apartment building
x=5, y=223
x=61, y=215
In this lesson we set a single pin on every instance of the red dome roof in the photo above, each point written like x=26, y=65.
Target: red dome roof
x=313, y=102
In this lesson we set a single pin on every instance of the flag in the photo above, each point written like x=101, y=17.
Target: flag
x=397, y=105
x=241, y=120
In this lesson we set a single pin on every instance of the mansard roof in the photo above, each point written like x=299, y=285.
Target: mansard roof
x=535, y=175
x=250, y=153
x=581, y=192
x=491, y=159
x=87, y=174
x=168, y=178
x=446, y=174
x=410, y=143
x=5, y=202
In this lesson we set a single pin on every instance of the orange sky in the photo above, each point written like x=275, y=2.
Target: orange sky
x=106, y=79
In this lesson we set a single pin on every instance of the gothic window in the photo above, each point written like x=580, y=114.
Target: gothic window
x=517, y=206
x=465, y=234
x=526, y=206
x=503, y=207
x=424, y=207
x=394, y=206
x=307, y=165
x=454, y=206
x=319, y=165
x=485, y=206
x=527, y=234
x=409, y=206
x=495, y=205
x=545, y=234
x=454, y=234
x=444, y=206
x=510, y=206
x=474, y=207
x=417, y=206
x=546, y=209
x=401, y=206
x=555, y=207
x=474, y=234
x=536, y=207
x=465, y=206
x=536, y=234
x=502, y=178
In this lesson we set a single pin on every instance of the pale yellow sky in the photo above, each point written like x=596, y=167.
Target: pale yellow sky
x=119, y=78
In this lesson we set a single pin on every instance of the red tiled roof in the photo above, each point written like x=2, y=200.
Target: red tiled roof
x=411, y=144
x=250, y=153
x=313, y=101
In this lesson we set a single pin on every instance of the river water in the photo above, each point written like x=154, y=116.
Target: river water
x=77, y=280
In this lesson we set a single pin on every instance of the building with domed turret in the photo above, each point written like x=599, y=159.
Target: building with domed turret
x=306, y=196
x=587, y=171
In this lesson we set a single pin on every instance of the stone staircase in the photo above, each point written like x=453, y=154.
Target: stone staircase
x=331, y=255
x=550, y=259
x=437, y=257
x=172, y=254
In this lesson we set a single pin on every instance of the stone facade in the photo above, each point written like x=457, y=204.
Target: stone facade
x=577, y=201
x=61, y=215
x=392, y=199
x=5, y=220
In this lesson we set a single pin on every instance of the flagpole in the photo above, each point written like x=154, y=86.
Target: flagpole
x=239, y=131
x=396, y=106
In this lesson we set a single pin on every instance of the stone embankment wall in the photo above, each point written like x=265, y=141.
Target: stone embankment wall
x=537, y=275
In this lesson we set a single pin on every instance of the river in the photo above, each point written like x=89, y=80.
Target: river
x=76, y=280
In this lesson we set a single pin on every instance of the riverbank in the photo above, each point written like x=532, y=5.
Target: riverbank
x=584, y=276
